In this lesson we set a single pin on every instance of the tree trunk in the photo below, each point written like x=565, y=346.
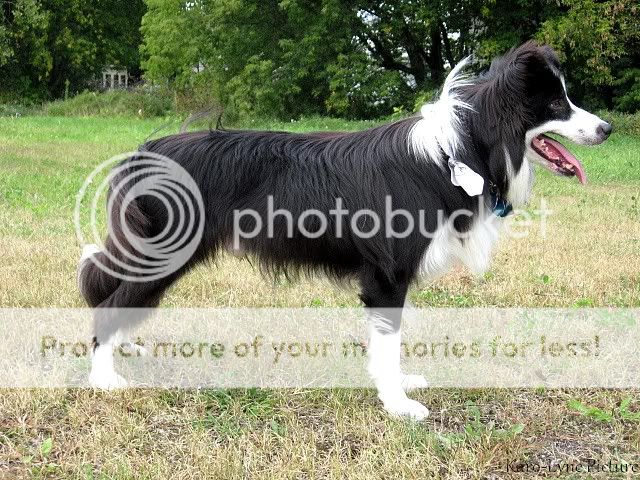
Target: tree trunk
x=416, y=56
x=435, y=55
x=447, y=45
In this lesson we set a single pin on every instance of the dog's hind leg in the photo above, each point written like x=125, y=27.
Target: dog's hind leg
x=384, y=300
x=129, y=305
x=103, y=374
x=96, y=283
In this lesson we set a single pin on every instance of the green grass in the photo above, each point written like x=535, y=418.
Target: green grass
x=590, y=257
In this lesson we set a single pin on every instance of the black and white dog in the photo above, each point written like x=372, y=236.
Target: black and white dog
x=472, y=150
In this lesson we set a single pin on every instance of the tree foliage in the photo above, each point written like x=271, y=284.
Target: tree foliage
x=264, y=57
x=599, y=43
x=287, y=58
x=365, y=58
x=25, y=59
x=49, y=46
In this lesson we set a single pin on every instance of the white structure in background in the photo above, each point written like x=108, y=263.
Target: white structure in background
x=114, y=78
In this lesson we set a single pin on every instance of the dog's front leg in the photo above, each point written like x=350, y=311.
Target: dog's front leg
x=384, y=301
x=384, y=368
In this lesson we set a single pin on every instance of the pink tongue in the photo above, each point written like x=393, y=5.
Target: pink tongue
x=568, y=157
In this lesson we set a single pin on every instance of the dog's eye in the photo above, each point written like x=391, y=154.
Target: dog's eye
x=556, y=104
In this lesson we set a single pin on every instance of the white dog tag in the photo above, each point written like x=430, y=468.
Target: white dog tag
x=463, y=176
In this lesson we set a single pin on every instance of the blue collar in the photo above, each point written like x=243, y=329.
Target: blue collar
x=499, y=205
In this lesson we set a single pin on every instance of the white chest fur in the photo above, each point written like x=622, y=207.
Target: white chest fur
x=473, y=248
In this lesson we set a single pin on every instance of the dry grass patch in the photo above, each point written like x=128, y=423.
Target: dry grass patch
x=301, y=434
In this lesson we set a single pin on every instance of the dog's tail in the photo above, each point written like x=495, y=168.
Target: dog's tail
x=100, y=272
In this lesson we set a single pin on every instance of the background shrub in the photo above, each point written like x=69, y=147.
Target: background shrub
x=143, y=102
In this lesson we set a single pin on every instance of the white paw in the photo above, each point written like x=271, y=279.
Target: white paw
x=106, y=380
x=413, y=382
x=88, y=251
x=407, y=408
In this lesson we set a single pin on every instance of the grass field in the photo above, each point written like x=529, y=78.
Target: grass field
x=589, y=257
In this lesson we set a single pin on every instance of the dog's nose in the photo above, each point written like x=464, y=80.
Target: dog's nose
x=604, y=129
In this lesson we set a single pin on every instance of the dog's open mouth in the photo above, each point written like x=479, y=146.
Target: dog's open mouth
x=559, y=159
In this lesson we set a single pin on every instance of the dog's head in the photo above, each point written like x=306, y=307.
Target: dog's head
x=521, y=99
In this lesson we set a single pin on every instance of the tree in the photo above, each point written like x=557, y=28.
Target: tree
x=599, y=42
x=259, y=57
x=417, y=38
x=171, y=42
x=49, y=45
x=401, y=51
x=25, y=60
x=286, y=58
x=118, y=32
